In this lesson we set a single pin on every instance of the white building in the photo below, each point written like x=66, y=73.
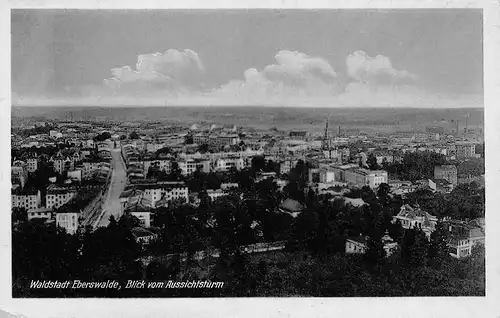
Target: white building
x=161, y=164
x=68, y=221
x=154, y=147
x=358, y=245
x=143, y=216
x=58, y=196
x=414, y=217
x=165, y=191
x=214, y=194
x=32, y=164
x=26, y=199
x=75, y=175
x=19, y=172
x=361, y=177
x=55, y=134
x=465, y=150
x=327, y=176
x=189, y=166
x=224, y=164
x=464, y=235
x=40, y=213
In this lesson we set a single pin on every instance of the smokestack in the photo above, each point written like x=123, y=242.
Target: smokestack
x=339, y=131
x=466, y=117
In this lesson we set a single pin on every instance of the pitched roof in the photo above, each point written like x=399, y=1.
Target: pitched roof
x=292, y=205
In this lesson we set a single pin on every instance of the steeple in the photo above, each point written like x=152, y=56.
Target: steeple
x=326, y=139
x=326, y=130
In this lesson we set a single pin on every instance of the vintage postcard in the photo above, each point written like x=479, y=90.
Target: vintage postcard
x=254, y=152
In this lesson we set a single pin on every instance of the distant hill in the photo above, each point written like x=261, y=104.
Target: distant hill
x=267, y=117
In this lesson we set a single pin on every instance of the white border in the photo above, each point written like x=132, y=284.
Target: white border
x=265, y=307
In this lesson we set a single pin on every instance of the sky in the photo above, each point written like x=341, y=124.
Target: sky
x=393, y=58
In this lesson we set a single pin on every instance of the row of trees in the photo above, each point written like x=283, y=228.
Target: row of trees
x=466, y=201
x=415, y=166
x=44, y=252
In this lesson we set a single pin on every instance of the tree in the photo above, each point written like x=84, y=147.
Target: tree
x=371, y=161
x=133, y=135
x=103, y=136
x=175, y=172
x=272, y=166
x=164, y=150
x=385, y=163
x=258, y=164
x=396, y=231
x=375, y=252
x=212, y=181
x=438, y=247
x=19, y=215
x=383, y=190
x=415, y=247
x=203, y=148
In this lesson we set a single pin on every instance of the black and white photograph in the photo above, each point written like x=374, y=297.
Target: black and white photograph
x=248, y=153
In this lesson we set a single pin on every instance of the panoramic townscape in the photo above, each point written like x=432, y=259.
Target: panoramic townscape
x=247, y=153
x=338, y=212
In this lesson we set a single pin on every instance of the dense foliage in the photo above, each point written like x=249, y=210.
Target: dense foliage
x=313, y=262
x=416, y=166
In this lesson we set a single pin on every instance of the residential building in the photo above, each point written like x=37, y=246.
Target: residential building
x=227, y=140
x=224, y=164
x=89, y=168
x=383, y=156
x=28, y=199
x=264, y=175
x=75, y=175
x=214, y=194
x=228, y=186
x=160, y=164
x=189, y=166
x=291, y=207
x=144, y=236
x=57, y=196
x=361, y=177
x=32, y=164
x=55, y=134
x=67, y=220
x=465, y=150
x=446, y=172
x=463, y=236
x=326, y=176
x=358, y=244
x=164, y=190
x=300, y=135
x=19, y=173
x=440, y=185
x=414, y=217
x=127, y=194
x=154, y=147
x=40, y=213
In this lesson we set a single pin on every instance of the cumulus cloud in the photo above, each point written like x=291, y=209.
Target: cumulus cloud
x=375, y=70
x=295, y=79
x=299, y=78
x=166, y=72
x=294, y=74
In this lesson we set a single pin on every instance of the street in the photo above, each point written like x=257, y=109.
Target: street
x=117, y=185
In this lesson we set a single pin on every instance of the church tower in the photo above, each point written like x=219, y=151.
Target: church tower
x=326, y=138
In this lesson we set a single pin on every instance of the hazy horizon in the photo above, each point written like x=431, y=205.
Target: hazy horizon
x=258, y=117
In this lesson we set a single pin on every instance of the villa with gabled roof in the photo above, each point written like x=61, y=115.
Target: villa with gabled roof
x=414, y=217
